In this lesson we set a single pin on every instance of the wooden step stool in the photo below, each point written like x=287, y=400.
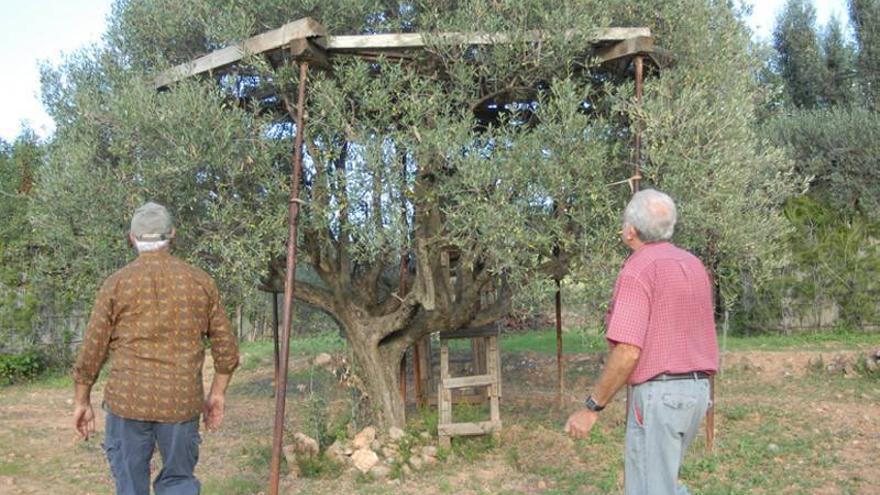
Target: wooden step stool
x=491, y=379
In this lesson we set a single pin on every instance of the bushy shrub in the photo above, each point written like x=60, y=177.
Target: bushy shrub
x=22, y=366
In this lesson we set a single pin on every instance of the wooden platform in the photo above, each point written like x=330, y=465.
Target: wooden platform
x=307, y=38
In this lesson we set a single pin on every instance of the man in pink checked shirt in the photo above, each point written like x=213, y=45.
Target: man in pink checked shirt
x=661, y=331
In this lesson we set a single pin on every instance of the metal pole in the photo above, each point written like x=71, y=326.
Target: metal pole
x=710, y=417
x=637, y=146
x=275, y=340
x=560, y=387
x=281, y=396
x=637, y=158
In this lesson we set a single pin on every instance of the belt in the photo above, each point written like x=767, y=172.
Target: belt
x=668, y=377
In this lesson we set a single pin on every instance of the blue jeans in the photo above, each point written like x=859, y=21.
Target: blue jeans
x=664, y=419
x=130, y=443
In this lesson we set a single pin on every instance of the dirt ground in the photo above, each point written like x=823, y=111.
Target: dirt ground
x=785, y=424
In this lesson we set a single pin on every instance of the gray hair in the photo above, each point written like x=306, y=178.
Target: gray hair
x=652, y=213
x=150, y=246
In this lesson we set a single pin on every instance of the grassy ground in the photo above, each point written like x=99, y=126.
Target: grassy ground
x=783, y=426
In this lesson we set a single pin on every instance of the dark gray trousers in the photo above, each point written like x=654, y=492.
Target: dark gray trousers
x=130, y=443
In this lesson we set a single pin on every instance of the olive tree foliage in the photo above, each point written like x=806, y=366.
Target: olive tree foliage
x=817, y=69
x=433, y=189
x=120, y=144
x=19, y=161
x=865, y=18
x=841, y=84
x=837, y=149
x=704, y=149
x=798, y=48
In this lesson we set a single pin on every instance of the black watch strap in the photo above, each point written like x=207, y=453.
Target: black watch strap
x=592, y=405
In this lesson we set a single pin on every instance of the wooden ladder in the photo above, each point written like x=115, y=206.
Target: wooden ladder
x=490, y=378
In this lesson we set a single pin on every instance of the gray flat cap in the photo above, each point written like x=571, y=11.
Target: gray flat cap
x=151, y=222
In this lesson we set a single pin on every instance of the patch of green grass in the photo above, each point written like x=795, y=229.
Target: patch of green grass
x=472, y=448
x=735, y=412
x=310, y=380
x=56, y=380
x=261, y=352
x=445, y=486
x=470, y=413
x=246, y=484
x=427, y=420
x=319, y=466
x=544, y=341
x=11, y=468
x=256, y=458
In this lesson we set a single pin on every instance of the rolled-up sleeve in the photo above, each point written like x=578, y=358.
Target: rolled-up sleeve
x=224, y=346
x=96, y=340
x=628, y=319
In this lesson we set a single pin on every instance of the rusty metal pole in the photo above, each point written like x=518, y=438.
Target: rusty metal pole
x=637, y=146
x=560, y=386
x=639, y=63
x=710, y=417
x=281, y=396
x=275, y=341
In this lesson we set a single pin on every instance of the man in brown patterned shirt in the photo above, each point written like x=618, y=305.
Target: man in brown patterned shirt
x=152, y=317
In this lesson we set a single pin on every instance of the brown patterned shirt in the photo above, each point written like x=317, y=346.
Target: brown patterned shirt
x=152, y=316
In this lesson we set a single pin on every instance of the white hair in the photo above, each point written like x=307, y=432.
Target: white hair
x=652, y=213
x=149, y=246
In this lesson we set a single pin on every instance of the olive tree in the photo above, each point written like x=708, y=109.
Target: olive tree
x=434, y=187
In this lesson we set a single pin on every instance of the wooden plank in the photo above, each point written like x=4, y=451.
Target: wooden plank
x=444, y=397
x=306, y=49
x=467, y=333
x=468, y=381
x=478, y=351
x=470, y=429
x=270, y=40
x=495, y=388
x=495, y=348
x=625, y=48
x=308, y=28
x=419, y=40
x=461, y=396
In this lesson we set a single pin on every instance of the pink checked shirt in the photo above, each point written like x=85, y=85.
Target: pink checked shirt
x=662, y=304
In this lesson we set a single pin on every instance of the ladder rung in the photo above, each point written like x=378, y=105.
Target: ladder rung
x=469, y=381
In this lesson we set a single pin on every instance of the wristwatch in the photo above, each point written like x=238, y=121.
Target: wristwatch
x=592, y=405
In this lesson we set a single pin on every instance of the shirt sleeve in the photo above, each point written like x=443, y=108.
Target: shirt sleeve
x=630, y=313
x=224, y=346
x=96, y=340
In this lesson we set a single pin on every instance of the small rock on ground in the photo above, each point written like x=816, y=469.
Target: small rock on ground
x=363, y=439
x=364, y=460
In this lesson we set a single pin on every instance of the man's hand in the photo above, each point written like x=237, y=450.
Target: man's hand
x=214, y=406
x=84, y=420
x=580, y=423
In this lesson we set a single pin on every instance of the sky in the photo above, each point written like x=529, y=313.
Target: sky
x=32, y=31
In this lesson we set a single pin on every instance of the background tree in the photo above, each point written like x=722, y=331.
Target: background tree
x=839, y=86
x=19, y=162
x=799, y=56
x=426, y=184
x=832, y=264
x=865, y=18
